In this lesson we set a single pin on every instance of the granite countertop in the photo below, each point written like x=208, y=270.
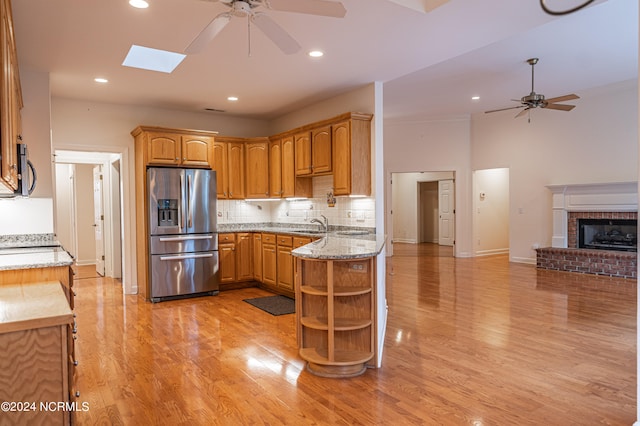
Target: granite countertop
x=336, y=247
x=33, y=305
x=34, y=257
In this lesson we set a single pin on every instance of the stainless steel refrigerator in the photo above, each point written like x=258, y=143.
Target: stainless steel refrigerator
x=183, y=243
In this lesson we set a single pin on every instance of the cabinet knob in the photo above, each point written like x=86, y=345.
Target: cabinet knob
x=77, y=394
x=177, y=159
x=75, y=362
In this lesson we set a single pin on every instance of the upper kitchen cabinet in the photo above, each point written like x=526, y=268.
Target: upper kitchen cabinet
x=174, y=147
x=275, y=169
x=229, y=164
x=290, y=185
x=313, y=152
x=11, y=104
x=257, y=167
x=352, y=155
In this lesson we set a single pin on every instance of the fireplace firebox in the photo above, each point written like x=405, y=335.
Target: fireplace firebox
x=608, y=234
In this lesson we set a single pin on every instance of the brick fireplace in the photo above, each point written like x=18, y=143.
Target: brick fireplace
x=615, y=201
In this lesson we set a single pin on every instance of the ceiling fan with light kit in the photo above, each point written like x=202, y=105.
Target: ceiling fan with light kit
x=537, y=100
x=251, y=10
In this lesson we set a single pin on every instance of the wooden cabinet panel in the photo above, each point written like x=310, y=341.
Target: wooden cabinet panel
x=275, y=169
x=269, y=259
x=303, y=154
x=257, y=169
x=220, y=163
x=321, y=150
x=285, y=262
x=227, y=253
x=163, y=148
x=352, y=156
x=257, y=257
x=197, y=151
x=293, y=186
x=244, y=264
x=11, y=101
x=236, y=170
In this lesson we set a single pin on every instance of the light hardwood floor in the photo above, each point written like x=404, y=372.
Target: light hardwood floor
x=469, y=342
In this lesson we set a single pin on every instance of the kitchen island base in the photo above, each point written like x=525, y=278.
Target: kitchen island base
x=335, y=315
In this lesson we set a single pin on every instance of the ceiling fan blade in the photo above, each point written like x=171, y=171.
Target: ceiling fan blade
x=560, y=107
x=312, y=7
x=523, y=112
x=276, y=33
x=504, y=109
x=208, y=33
x=563, y=98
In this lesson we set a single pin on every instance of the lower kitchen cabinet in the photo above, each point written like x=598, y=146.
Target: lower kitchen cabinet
x=285, y=263
x=269, y=260
x=257, y=256
x=235, y=257
x=38, y=355
x=244, y=266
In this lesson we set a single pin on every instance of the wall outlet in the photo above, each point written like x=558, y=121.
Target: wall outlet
x=349, y=214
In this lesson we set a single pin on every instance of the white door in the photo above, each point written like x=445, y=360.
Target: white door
x=98, y=224
x=446, y=212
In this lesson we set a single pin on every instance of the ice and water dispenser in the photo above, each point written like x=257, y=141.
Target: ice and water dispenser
x=168, y=212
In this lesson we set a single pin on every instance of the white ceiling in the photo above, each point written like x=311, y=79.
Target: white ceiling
x=431, y=63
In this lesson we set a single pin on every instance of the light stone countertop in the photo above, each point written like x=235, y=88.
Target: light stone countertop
x=33, y=257
x=336, y=247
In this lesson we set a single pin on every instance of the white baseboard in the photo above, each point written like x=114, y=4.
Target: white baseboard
x=527, y=260
x=492, y=252
x=402, y=240
x=85, y=262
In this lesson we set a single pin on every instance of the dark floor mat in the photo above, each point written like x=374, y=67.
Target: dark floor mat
x=275, y=305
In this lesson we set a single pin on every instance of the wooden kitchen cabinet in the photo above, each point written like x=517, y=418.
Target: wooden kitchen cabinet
x=174, y=147
x=313, y=152
x=285, y=263
x=235, y=257
x=257, y=169
x=257, y=256
x=11, y=103
x=34, y=337
x=293, y=186
x=229, y=164
x=269, y=260
x=352, y=155
x=275, y=169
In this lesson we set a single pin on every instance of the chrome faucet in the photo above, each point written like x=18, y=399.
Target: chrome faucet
x=325, y=224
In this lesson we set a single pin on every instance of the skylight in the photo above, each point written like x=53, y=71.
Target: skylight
x=152, y=59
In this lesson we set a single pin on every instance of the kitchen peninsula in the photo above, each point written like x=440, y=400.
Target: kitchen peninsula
x=336, y=304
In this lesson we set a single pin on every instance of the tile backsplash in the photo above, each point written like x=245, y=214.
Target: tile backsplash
x=352, y=212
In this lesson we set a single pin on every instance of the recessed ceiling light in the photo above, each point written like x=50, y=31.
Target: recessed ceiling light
x=152, y=59
x=475, y=98
x=232, y=98
x=140, y=4
x=100, y=80
x=316, y=53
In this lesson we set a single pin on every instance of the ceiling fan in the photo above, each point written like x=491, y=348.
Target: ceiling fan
x=536, y=100
x=245, y=8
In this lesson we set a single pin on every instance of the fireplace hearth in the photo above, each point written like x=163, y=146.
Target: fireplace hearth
x=608, y=234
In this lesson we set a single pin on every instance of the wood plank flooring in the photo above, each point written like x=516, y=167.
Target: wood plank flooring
x=469, y=342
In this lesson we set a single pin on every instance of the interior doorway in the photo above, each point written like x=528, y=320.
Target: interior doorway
x=423, y=208
x=87, y=208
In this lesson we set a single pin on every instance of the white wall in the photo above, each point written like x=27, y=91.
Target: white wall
x=597, y=142
x=491, y=211
x=437, y=146
x=65, y=208
x=21, y=216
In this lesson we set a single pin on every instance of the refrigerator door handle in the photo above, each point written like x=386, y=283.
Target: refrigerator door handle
x=186, y=238
x=181, y=206
x=186, y=256
x=189, y=212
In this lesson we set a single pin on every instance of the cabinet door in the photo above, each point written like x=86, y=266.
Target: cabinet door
x=227, y=254
x=257, y=257
x=163, y=148
x=244, y=265
x=257, y=162
x=235, y=169
x=269, y=262
x=321, y=150
x=197, y=151
x=275, y=169
x=303, y=154
x=11, y=102
x=285, y=268
x=293, y=186
x=220, y=163
x=341, y=159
